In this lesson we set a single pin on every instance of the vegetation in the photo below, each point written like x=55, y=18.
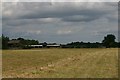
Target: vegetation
x=78, y=62
x=0, y=42
x=22, y=43
x=5, y=42
x=108, y=42
x=83, y=45
x=28, y=42
x=61, y=63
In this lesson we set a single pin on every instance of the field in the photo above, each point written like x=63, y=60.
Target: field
x=60, y=63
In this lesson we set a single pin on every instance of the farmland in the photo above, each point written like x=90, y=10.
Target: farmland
x=60, y=63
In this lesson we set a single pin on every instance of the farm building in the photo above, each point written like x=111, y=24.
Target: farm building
x=53, y=46
x=35, y=46
x=42, y=46
x=17, y=44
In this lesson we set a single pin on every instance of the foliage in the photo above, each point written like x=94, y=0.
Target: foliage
x=28, y=42
x=82, y=45
x=109, y=41
x=0, y=42
x=5, y=42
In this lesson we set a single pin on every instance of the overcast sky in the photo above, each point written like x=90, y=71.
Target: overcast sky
x=60, y=22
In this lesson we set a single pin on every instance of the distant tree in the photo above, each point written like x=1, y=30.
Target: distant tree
x=28, y=42
x=44, y=44
x=20, y=38
x=119, y=44
x=109, y=41
x=5, y=42
x=0, y=42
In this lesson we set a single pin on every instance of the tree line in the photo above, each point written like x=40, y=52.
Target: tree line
x=107, y=42
x=22, y=43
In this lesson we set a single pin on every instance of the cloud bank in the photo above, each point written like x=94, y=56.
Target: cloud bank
x=60, y=22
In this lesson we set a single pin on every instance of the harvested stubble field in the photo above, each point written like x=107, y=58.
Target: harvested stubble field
x=60, y=63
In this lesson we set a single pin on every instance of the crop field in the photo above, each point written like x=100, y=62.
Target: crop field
x=60, y=63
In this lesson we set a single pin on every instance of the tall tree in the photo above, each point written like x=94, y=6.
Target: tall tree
x=5, y=42
x=109, y=41
x=0, y=42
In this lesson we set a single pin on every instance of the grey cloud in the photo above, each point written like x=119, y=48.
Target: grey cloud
x=65, y=14
x=60, y=22
x=79, y=18
x=42, y=10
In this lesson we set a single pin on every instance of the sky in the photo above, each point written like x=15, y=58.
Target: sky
x=60, y=22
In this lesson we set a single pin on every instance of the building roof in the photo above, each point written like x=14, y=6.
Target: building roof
x=54, y=45
x=35, y=45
